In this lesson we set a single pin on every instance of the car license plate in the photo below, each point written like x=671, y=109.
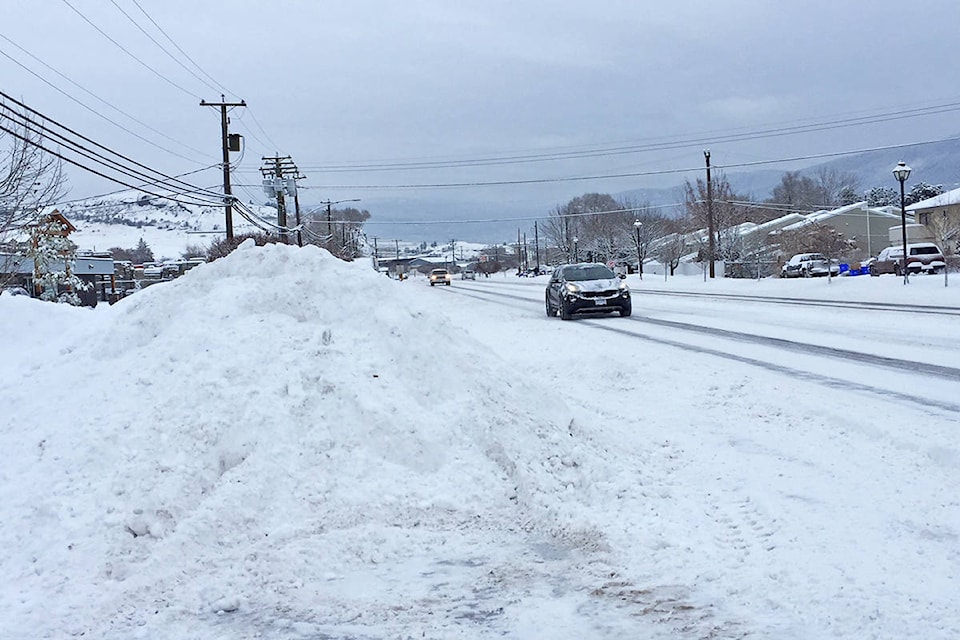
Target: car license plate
x=600, y=301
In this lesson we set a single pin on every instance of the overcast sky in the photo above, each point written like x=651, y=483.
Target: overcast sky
x=351, y=82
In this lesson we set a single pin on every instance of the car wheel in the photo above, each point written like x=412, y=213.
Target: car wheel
x=897, y=271
x=805, y=273
x=873, y=271
x=551, y=312
x=626, y=310
x=564, y=310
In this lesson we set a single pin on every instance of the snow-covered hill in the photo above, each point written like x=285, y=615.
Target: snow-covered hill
x=167, y=226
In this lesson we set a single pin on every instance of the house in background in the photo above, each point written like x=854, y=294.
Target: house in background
x=867, y=228
x=97, y=271
x=940, y=215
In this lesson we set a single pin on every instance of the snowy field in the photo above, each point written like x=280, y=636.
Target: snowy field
x=280, y=445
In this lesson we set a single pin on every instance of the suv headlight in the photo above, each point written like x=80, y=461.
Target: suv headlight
x=572, y=288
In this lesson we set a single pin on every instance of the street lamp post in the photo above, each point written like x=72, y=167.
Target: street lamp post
x=901, y=172
x=636, y=225
x=576, y=250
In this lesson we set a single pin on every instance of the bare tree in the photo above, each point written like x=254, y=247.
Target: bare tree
x=672, y=246
x=729, y=211
x=832, y=183
x=580, y=224
x=30, y=180
x=652, y=226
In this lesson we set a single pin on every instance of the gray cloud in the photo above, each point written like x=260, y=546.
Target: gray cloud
x=336, y=83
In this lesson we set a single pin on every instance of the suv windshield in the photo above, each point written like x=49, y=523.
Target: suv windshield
x=588, y=272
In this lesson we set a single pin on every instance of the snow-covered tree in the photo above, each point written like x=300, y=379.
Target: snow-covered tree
x=883, y=197
x=54, y=255
x=922, y=191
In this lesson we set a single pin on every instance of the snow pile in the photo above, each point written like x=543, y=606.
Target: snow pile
x=274, y=434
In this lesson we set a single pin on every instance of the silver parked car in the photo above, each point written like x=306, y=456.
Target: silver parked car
x=808, y=265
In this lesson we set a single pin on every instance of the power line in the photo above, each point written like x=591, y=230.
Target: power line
x=275, y=146
x=107, y=205
x=160, y=46
x=127, y=51
x=636, y=174
x=644, y=147
x=109, y=163
x=91, y=109
x=82, y=166
x=178, y=48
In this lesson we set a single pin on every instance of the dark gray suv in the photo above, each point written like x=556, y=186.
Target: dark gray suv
x=586, y=288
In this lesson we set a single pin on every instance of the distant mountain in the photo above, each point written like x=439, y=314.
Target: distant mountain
x=121, y=219
x=934, y=163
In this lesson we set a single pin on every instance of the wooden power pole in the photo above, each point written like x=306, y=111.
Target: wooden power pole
x=227, y=193
x=711, y=243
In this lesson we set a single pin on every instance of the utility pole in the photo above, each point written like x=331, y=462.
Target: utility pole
x=296, y=209
x=279, y=177
x=711, y=244
x=536, y=244
x=229, y=143
x=519, y=255
x=330, y=204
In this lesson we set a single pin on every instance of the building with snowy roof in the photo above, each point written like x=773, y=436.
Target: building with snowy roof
x=940, y=215
x=868, y=227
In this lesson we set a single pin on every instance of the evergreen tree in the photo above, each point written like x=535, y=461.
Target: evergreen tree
x=883, y=197
x=53, y=258
x=142, y=253
x=922, y=191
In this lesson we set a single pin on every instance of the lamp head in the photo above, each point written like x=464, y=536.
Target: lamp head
x=901, y=172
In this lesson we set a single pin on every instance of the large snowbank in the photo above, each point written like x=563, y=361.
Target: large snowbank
x=239, y=440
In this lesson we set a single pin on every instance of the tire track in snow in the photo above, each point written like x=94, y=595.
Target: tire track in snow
x=779, y=343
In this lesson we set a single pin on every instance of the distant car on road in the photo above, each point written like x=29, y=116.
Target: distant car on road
x=468, y=274
x=586, y=288
x=922, y=257
x=808, y=265
x=439, y=276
